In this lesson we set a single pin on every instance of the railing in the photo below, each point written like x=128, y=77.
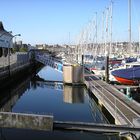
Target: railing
x=102, y=90
x=50, y=61
x=51, y=85
x=15, y=61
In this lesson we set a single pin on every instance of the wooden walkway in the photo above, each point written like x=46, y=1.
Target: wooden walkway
x=119, y=105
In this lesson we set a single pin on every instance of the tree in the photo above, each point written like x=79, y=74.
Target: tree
x=23, y=49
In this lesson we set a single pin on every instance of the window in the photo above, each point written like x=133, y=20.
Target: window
x=0, y=52
x=5, y=51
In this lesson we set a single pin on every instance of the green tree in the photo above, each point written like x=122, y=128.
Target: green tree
x=22, y=49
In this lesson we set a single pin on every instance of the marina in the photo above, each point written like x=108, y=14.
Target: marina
x=83, y=89
x=48, y=98
x=69, y=87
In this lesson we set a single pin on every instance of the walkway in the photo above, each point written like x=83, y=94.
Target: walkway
x=120, y=106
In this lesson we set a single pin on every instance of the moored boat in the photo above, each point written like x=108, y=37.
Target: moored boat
x=128, y=76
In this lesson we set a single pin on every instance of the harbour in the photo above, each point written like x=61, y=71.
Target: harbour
x=39, y=97
x=76, y=97
x=45, y=98
x=83, y=89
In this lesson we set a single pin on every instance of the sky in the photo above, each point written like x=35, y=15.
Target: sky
x=61, y=21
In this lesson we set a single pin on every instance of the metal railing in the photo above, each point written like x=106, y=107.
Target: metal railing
x=50, y=61
x=101, y=89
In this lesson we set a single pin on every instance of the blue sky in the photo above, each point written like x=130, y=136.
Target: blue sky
x=60, y=21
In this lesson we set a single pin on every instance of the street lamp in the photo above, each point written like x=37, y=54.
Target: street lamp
x=9, y=51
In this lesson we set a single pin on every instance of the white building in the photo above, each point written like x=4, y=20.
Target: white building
x=5, y=41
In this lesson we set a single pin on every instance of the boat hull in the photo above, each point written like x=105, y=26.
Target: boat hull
x=125, y=81
x=129, y=76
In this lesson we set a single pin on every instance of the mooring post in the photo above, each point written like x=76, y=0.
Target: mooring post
x=128, y=92
x=107, y=69
x=82, y=59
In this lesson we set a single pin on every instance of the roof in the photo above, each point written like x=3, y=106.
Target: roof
x=1, y=27
x=3, y=30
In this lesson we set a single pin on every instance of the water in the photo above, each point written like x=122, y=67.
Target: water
x=20, y=134
x=65, y=103
x=48, y=73
x=37, y=94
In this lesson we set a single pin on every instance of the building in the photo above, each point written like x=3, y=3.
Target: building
x=5, y=41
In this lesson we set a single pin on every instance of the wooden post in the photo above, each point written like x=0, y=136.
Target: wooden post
x=82, y=59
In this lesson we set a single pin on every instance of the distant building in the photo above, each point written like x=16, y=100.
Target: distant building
x=5, y=41
x=40, y=46
x=21, y=47
x=19, y=42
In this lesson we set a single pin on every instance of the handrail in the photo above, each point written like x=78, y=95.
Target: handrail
x=103, y=89
x=50, y=61
x=121, y=101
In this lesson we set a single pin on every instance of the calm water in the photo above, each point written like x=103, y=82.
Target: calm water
x=65, y=103
x=37, y=94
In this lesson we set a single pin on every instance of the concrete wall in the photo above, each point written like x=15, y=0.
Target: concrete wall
x=16, y=63
x=26, y=121
x=73, y=74
x=16, y=58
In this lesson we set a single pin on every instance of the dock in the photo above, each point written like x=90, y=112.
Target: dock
x=123, y=110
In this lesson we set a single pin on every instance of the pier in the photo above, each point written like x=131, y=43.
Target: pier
x=123, y=110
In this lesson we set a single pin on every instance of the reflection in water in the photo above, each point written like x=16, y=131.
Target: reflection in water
x=65, y=103
x=10, y=95
x=73, y=94
x=48, y=73
x=40, y=82
x=96, y=113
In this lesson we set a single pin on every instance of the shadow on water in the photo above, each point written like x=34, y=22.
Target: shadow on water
x=106, y=117
x=11, y=91
x=22, y=134
x=10, y=95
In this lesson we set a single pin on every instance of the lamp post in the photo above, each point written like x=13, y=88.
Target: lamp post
x=9, y=51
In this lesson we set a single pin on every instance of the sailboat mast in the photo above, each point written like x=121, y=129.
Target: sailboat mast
x=129, y=29
x=96, y=25
x=139, y=40
x=103, y=47
x=111, y=26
